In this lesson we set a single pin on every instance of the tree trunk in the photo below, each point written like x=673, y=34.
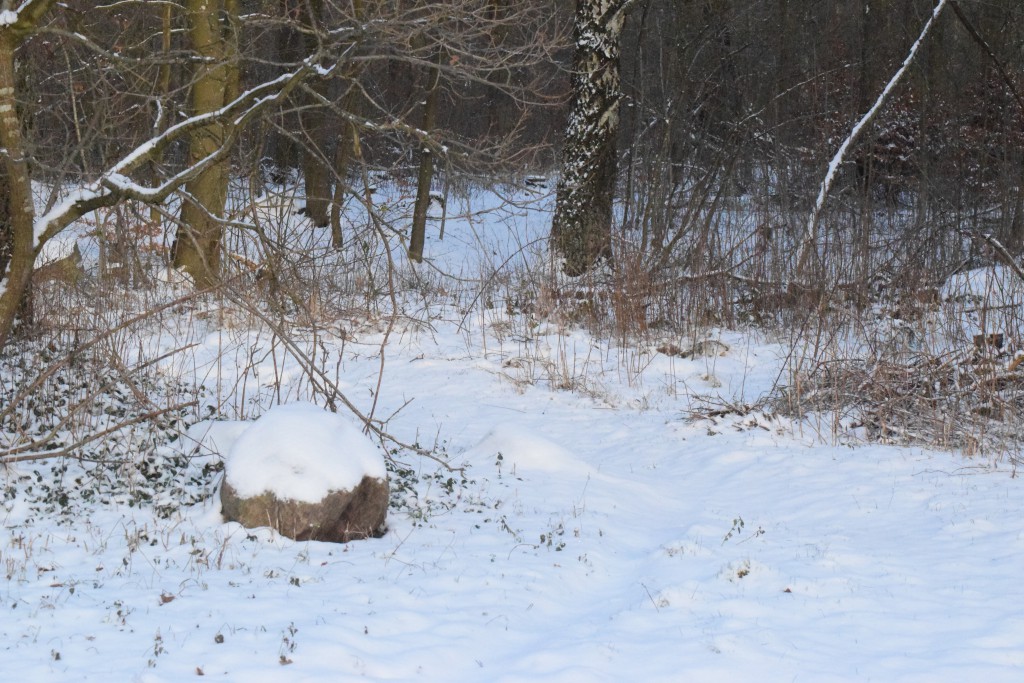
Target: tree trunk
x=316, y=131
x=197, y=247
x=425, y=175
x=582, y=227
x=166, y=26
x=6, y=236
x=17, y=239
x=348, y=142
x=316, y=174
x=501, y=109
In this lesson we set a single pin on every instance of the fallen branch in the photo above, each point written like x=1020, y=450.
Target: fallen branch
x=808, y=246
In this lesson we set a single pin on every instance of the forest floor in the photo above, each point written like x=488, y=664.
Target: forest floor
x=616, y=513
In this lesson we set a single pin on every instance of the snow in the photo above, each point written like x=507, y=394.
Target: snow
x=61, y=246
x=42, y=227
x=623, y=533
x=997, y=286
x=518, y=449
x=300, y=452
x=216, y=437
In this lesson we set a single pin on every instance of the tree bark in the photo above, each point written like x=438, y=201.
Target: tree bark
x=19, y=252
x=425, y=175
x=6, y=236
x=211, y=30
x=581, y=230
x=316, y=173
x=348, y=143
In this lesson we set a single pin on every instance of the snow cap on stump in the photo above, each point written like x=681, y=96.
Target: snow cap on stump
x=309, y=474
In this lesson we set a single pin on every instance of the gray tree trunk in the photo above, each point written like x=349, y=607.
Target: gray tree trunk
x=316, y=174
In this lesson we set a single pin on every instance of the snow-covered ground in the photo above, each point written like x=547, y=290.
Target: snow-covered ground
x=603, y=526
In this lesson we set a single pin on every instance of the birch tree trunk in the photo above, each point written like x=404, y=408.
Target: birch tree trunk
x=581, y=230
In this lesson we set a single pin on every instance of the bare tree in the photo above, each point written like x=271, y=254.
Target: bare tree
x=412, y=79
x=119, y=181
x=186, y=76
x=425, y=174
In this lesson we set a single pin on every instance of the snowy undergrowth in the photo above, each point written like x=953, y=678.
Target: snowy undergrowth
x=583, y=538
x=938, y=367
x=610, y=511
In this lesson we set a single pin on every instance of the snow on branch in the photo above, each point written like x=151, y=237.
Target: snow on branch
x=27, y=16
x=115, y=185
x=808, y=245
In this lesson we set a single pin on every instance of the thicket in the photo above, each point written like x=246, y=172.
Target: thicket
x=731, y=113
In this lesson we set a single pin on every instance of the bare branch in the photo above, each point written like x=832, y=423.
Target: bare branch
x=114, y=185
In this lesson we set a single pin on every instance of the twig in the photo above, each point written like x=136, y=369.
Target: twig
x=651, y=597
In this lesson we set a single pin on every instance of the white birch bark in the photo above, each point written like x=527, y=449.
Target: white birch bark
x=581, y=227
